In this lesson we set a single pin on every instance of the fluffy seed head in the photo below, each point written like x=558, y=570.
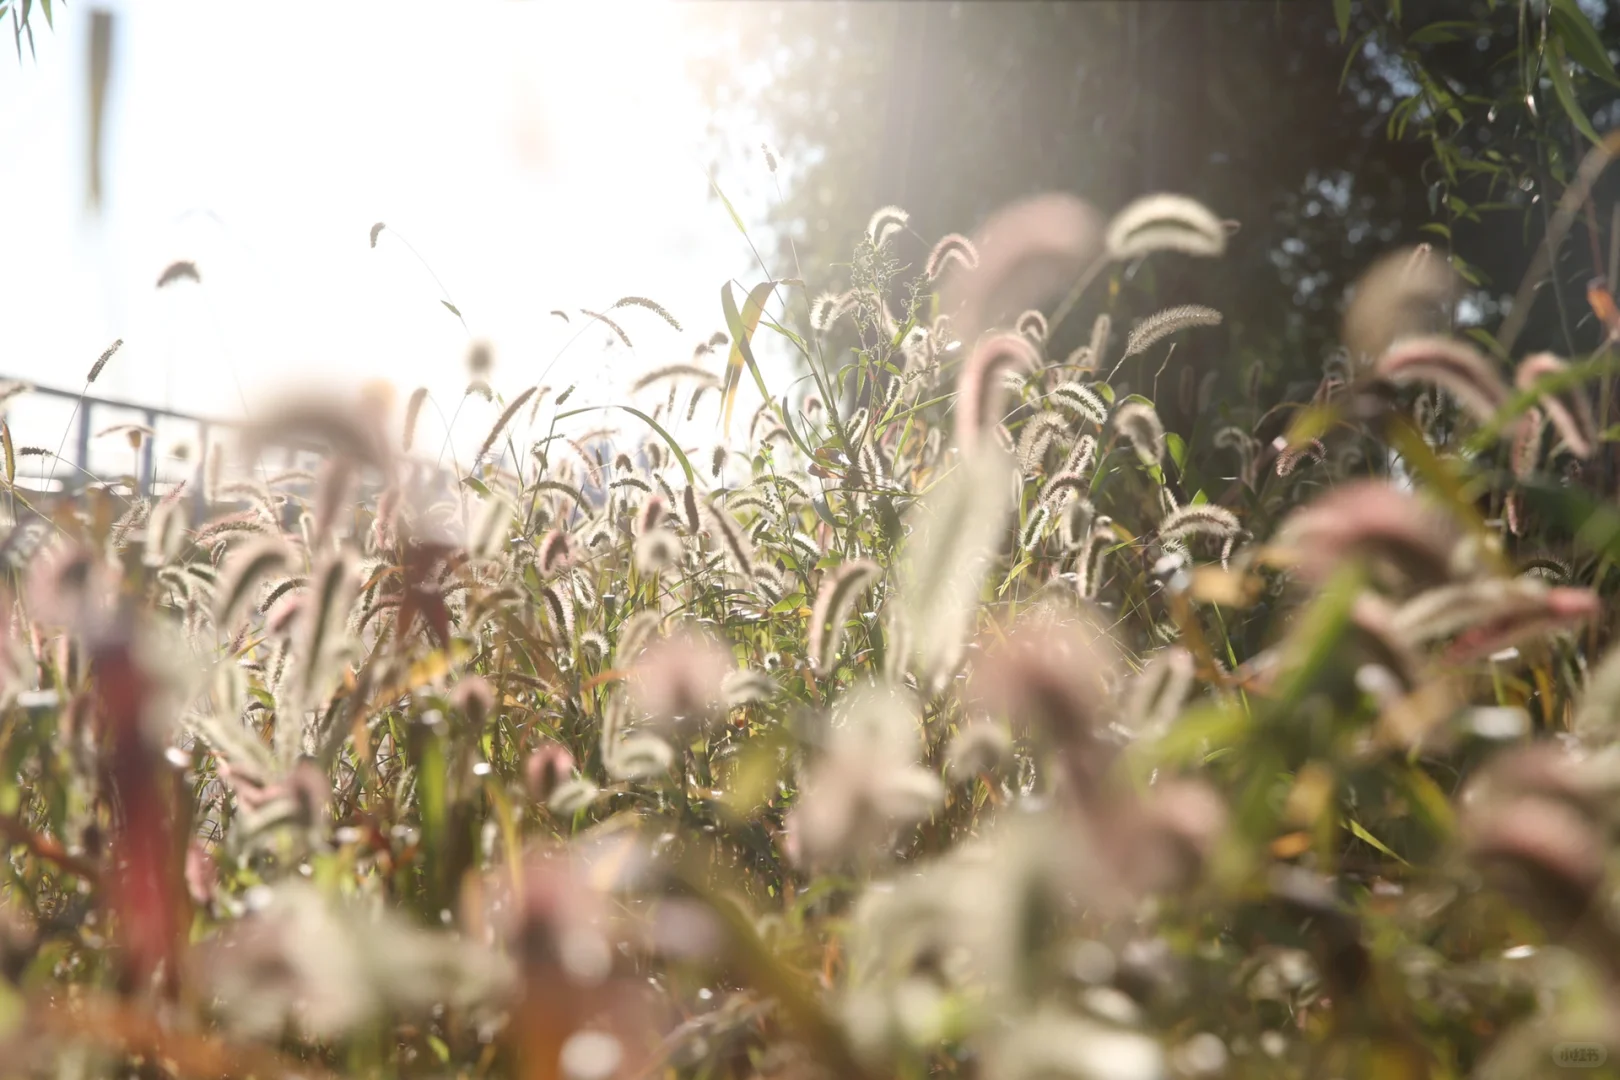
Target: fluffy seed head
x=1371, y=519
x=1081, y=400
x=1155, y=328
x=1291, y=458
x=885, y=223
x=647, y=305
x=1405, y=293
x=1164, y=223
x=1570, y=412
x=952, y=247
x=184, y=270
x=554, y=552
x=838, y=592
x=1036, y=438
x=1032, y=324
x=1029, y=253
x=1454, y=366
x=678, y=680
x=1101, y=332
x=101, y=362
x=1140, y=426
x=1205, y=519
x=979, y=390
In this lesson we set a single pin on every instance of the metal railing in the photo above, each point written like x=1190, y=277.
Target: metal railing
x=85, y=424
x=81, y=476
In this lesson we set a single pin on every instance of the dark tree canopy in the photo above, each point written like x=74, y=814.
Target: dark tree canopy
x=1263, y=111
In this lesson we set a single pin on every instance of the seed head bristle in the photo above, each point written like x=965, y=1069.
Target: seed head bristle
x=953, y=247
x=1570, y=412
x=1081, y=400
x=1101, y=332
x=413, y=409
x=501, y=422
x=651, y=305
x=1063, y=485
x=979, y=389
x=184, y=270
x=101, y=362
x=635, y=482
x=1155, y=328
x=689, y=503
x=553, y=552
x=1035, y=527
x=657, y=550
x=480, y=358
x=1291, y=458
x=837, y=593
x=885, y=223
x=1140, y=426
x=696, y=399
x=1204, y=519
x=737, y=546
x=609, y=323
x=1164, y=223
x=827, y=309
x=1454, y=366
x=675, y=371
x=1032, y=324
x=1036, y=438
x=1525, y=455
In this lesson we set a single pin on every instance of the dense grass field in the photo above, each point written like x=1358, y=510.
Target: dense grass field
x=965, y=710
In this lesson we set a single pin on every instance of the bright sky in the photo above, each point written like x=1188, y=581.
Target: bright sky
x=542, y=155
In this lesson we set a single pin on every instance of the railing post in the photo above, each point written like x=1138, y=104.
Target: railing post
x=146, y=454
x=199, y=493
x=82, y=451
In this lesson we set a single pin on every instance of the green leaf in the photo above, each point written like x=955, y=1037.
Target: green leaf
x=1565, y=91
x=1362, y=834
x=1557, y=382
x=736, y=219
x=1196, y=732
x=789, y=334
x=1439, y=33
x=742, y=327
x=453, y=309
x=1350, y=57
x=674, y=447
x=1341, y=17
x=1581, y=40
x=1177, y=447
x=1487, y=339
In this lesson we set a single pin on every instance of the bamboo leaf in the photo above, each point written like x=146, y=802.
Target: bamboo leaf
x=742, y=327
x=1564, y=89
x=1581, y=40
